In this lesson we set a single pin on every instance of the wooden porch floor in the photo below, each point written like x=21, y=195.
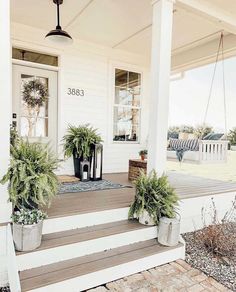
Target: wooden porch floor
x=85, y=202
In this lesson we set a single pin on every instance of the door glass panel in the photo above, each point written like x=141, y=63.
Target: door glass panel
x=34, y=106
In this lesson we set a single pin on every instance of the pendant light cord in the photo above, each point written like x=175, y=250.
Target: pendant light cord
x=58, y=15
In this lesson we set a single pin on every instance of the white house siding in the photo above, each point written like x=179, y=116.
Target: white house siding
x=89, y=67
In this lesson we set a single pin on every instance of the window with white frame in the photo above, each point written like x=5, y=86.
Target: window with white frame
x=126, y=109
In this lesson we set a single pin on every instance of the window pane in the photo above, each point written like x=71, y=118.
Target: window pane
x=127, y=91
x=34, y=57
x=126, y=124
x=134, y=79
x=121, y=78
x=134, y=88
x=34, y=106
x=121, y=95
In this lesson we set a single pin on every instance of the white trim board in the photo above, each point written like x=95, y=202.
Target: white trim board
x=35, y=65
x=5, y=214
x=190, y=209
x=13, y=275
x=52, y=225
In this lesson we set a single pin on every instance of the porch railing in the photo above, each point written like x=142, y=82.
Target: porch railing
x=12, y=270
x=213, y=151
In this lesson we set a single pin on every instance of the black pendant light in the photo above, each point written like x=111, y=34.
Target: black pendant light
x=58, y=35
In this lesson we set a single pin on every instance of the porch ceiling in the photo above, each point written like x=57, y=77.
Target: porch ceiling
x=118, y=23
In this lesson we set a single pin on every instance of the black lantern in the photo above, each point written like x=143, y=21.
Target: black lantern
x=96, y=162
x=84, y=170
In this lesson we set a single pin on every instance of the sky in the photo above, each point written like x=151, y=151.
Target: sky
x=189, y=96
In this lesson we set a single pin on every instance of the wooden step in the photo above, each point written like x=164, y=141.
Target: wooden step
x=89, y=271
x=87, y=233
x=65, y=245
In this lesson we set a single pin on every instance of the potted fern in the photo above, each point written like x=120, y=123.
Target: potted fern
x=32, y=184
x=78, y=142
x=154, y=198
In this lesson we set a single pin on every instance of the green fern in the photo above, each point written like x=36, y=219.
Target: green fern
x=155, y=195
x=78, y=141
x=31, y=175
x=14, y=137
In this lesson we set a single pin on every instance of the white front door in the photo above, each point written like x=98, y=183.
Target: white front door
x=34, y=116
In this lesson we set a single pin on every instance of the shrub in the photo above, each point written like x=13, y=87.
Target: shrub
x=232, y=136
x=173, y=132
x=186, y=129
x=155, y=195
x=202, y=131
x=219, y=236
x=79, y=140
x=31, y=175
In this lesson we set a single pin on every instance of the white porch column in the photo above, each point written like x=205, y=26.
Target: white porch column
x=160, y=82
x=5, y=103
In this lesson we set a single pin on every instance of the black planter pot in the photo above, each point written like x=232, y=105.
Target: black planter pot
x=77, y=165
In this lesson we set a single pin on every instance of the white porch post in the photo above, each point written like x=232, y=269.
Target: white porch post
x=160, y=82
x=5, y=103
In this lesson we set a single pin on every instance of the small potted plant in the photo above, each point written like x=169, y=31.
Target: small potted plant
x=143, y=154
x=78, y=142
x=32, y=184
x=27, y=228
x=154, y=198
x=232, y=139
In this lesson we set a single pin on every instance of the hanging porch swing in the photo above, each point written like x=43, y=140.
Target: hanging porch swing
x=204, y=150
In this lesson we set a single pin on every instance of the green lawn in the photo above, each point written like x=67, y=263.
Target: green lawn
x=224, y=171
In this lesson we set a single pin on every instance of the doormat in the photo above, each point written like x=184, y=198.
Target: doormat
x=67, y=179
x=89, y=186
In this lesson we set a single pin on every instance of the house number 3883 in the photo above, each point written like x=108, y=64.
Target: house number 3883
x=75, y=91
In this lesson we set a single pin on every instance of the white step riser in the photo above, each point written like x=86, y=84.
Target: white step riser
x=104, y=276
x=84, y=220
x=66, y=252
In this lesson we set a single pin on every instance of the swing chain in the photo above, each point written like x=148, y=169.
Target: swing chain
x=220, y=48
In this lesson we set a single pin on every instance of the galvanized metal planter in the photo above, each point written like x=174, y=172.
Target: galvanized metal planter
x=146, y=219
x=169, y=231
x=27, y=237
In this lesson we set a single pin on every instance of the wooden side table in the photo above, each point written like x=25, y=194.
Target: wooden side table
x=135, y=165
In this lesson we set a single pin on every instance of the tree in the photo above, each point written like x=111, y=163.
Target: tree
x=202, y=130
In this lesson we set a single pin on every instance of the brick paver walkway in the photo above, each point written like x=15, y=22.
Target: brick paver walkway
x=176, y=276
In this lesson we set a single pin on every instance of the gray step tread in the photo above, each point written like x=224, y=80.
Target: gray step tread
x=57, y=272
x=53, y=240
